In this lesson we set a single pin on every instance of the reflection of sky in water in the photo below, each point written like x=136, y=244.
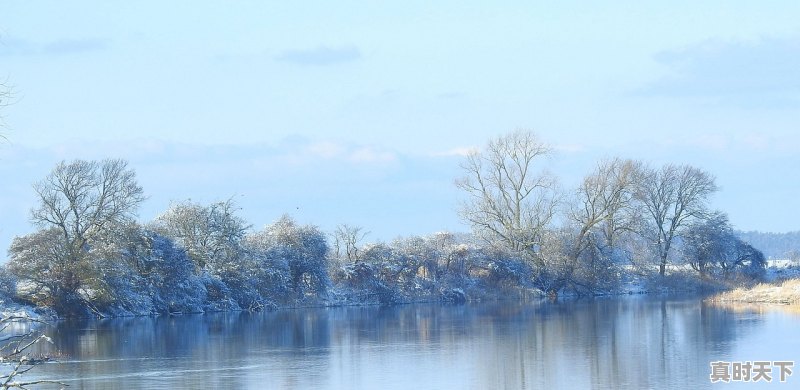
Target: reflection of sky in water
x=771, y=336
x=630, y=342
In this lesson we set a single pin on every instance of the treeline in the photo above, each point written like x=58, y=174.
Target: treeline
x=197, y=258
x=623, y=216
x=625, y=222
x=774, y=245
x=90, y=257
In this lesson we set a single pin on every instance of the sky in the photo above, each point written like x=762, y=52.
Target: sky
x=360, y=112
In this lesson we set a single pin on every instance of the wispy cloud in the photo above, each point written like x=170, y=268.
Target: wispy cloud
x=735, y=143
x=326, y=149
x=760, y=73
x=320, y=56
x=73, y=46
x=461, y=151
x=327, y=180
x=10, y=46
x=570, y=147
x=370, y=155
x=295, y=152
x=308, y=152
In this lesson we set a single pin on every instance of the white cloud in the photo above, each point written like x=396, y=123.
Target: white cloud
x=569, y=148
x=759, y=142
x=371, y=154
x=718, y=142
x=12, y=46
x=326, y=149
x=461, y=151
x=739, y=143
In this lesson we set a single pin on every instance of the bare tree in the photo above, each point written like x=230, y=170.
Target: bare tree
x=83, y=198
x=78, y=202
x=6, y=93
x=601, y=209
x=604, y=201
x=15, y=349
x=511, y=198
x=672, y=197
x=345, y=241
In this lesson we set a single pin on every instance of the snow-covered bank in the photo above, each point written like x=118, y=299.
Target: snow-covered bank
x=365, y=288
x=11, y=309
x=779, y=270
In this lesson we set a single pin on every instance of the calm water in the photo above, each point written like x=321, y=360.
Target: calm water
x=630, y=342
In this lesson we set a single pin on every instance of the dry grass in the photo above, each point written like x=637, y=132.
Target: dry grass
x=786, y=292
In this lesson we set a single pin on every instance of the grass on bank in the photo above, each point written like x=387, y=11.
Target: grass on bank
x=785, y=292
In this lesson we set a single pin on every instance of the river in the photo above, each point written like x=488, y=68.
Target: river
x=633, y=342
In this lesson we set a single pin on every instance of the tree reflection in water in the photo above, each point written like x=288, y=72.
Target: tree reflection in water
x=628, y=342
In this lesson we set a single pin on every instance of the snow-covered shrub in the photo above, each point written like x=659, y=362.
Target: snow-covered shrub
x=270, y=274
x=363, y=284
x=170, y=276
x=305, y=251
x=218, y=295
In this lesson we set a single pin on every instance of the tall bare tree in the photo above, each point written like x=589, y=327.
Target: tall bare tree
x=512, y=199
x=604, y=201
x=83, y=198
x=601, y=208
x=78, y=202
x=672, y=197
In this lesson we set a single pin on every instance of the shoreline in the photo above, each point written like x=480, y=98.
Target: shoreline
x=47, y=315
x=786, y=292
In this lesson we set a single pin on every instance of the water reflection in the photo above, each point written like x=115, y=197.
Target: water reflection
x=636, y=342
x=758, y=308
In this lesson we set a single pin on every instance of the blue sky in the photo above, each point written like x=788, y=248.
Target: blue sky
x=352, y=112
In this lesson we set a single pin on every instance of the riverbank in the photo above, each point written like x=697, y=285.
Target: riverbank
x=11, y=309
x=336, y=297
x=679, y=281
x=784, y=292
x=339, y=298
